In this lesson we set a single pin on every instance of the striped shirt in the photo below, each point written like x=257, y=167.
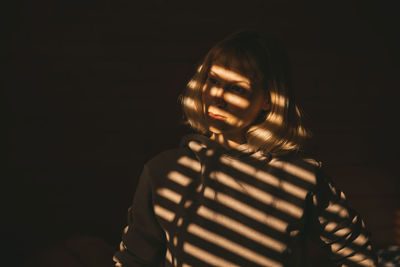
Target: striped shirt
x=203, y=205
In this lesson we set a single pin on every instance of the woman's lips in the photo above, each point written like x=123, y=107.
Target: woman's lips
x=216, y=116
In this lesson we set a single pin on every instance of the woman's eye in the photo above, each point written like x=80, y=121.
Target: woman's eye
x=212, y=80
x=238, y=89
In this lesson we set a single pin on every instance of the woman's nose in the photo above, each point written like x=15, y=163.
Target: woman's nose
x=217, y=91
x=219, y=98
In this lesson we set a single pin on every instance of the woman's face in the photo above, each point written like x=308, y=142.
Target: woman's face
x=231, y=102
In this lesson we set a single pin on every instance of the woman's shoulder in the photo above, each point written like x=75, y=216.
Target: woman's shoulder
x=301, y=160
x=298, y=165
x=167, y=157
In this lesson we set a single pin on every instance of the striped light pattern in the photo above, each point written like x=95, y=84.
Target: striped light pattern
x=244, y=211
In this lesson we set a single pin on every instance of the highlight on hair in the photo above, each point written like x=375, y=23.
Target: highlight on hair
x=263, y=61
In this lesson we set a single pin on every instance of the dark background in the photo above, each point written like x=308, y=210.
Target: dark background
x=91, y=92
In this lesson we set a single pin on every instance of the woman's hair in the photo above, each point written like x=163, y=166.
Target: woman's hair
x=279, y=130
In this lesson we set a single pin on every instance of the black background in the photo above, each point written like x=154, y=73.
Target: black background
x=91, y=92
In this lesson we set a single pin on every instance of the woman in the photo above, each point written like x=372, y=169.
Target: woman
x=240, y=193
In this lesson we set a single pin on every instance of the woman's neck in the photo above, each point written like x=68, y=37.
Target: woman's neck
x=228, y=141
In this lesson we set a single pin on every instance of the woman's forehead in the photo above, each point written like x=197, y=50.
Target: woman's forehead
x=244, y=66
x=229, y=75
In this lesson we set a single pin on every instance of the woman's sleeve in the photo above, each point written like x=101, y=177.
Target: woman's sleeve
x=337, y=227
x=143, y=240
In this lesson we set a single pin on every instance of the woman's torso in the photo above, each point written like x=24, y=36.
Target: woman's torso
x=230, y=209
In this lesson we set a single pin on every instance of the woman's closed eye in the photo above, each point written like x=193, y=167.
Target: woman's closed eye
x=212, y=80
x=233, y=88
x=238, y=89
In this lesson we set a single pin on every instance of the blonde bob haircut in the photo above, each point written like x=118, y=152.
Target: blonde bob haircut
x=279, y=130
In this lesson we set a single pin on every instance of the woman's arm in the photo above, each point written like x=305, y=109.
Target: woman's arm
x=337, y=227
x=143, y=240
